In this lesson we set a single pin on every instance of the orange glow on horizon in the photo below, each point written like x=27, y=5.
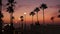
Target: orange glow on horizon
x=19, y=11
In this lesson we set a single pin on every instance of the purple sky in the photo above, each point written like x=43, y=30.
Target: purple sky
x=29, y=5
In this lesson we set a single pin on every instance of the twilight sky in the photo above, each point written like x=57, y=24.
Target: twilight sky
x=29, y=5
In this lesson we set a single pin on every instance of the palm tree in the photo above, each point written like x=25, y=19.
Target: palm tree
x=32, y=14
x=1, y=16
x=21, y=18
x=1, y=21
x=10, y=8
x=43, y=6
x=52, y=18
x=37, y=10
x=58, y=16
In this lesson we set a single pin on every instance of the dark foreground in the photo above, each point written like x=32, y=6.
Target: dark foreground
x=33, y=29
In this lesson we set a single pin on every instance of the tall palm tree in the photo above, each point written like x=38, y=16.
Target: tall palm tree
x=1, y=16
x=32, y=14
x=52, y=18
x=43, y=6
x=37, y=10
x=10, y=8
x=22, y=26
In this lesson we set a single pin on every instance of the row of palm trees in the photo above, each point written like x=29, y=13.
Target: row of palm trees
x=37, y=9
x=10, y=9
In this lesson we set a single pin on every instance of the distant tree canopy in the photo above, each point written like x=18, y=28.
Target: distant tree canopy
x=21, y=17
x=36, y=9
x=43, y=6
x=59, y=11
x=52, y=18
x=58, y=16
x=32, y=13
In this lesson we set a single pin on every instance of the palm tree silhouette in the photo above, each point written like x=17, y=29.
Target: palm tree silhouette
x=52, y=18
x=58, y=16
x=21, y=18
x=59, y=11
x=22, y=26
x=1, y=16
x=32, y=14
x=43, y=6
x=1, y=21
x=37, y=10
x=10, y=8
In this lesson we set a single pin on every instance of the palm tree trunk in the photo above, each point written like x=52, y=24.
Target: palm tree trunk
x=0, y=25
x=43, y=17
x=0, y=6
x=53, y=21
x=22, y=26
x=11, y=22
x=43, y=29
x=0, y=17
x=11, y=15
x=25, y=18
x=37, y=16
x=32, y=19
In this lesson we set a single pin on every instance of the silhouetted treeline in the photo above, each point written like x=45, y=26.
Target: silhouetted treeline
x=24, y=29
x=38, y=29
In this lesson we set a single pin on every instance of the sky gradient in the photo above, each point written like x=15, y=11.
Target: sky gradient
x=29, y=5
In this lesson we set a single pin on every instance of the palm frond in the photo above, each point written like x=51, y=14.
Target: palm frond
x=32, y=13
x=58, y=16
x=59, y=11
x=21, y=17
x=43, y=6
x=52, y=18
x=36, y=9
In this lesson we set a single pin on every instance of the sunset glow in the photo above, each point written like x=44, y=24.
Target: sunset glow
x=29, y=5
